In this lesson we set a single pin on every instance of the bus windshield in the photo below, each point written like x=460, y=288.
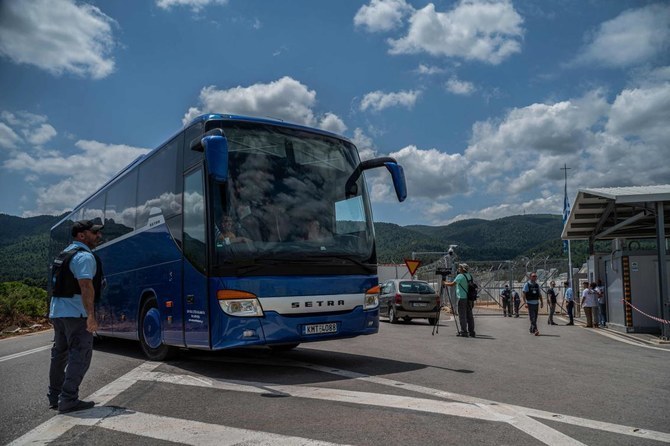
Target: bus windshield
x=285, y=198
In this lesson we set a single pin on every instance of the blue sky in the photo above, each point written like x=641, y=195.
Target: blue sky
x=481, y=101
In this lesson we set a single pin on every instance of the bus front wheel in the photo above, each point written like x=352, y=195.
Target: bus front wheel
x=151, y=333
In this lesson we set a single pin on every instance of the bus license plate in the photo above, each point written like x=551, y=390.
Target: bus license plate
x=320, y=328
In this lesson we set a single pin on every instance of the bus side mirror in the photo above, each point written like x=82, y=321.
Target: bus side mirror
x=398, y=176
x=395, y=169
x=216, y=155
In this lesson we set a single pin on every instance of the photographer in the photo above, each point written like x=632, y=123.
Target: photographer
x=465, y=315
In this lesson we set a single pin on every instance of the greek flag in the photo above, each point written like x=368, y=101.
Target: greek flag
x=566, y=213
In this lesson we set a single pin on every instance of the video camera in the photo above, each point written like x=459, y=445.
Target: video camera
x=444, y=272
x=448, y=260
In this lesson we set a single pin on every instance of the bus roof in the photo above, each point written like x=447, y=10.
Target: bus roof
x=271, y=121
x=203, y=118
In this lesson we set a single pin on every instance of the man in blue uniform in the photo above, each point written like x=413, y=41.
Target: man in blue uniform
x=532, y=297
x=76, y=282
x=506, y=297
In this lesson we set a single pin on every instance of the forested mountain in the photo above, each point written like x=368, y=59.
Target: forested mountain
x=24, y=245
x=502, y=239
x=24, y=242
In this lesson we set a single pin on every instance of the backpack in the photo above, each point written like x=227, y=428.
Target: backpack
x=473, y=288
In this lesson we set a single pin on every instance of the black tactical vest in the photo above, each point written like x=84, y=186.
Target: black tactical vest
x=533, y=291
x=63, y=282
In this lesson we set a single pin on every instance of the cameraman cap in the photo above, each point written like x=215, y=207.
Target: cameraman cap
x=84, y=225
x=464, y=266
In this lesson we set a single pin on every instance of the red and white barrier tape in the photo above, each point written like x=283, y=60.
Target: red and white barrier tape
x=657, y=319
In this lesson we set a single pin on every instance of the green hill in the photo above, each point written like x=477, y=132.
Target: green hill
x=24, y=245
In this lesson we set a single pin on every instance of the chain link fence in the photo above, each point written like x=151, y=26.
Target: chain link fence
x=491, y=276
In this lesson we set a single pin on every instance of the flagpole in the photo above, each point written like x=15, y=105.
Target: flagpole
x=566, y=212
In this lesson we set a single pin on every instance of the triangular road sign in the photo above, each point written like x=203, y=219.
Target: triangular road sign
x=412, y=265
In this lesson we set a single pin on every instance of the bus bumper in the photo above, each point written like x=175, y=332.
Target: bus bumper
x=275, y=328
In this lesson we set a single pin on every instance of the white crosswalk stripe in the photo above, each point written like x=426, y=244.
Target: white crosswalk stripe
x=526, y=420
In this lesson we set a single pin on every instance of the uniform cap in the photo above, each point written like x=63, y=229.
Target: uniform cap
x=84, y=225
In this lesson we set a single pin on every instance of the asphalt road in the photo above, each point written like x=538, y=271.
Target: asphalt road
x=571, y=385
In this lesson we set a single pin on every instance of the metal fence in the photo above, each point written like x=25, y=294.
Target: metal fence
x=491, y=277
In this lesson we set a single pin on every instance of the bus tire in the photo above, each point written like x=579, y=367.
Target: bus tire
x=151, y=333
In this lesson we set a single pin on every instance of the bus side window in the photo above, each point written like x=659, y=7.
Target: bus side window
x=194, y=220
x=191, y=157
x=120, y=207
x=94, y=210
x=157, y=185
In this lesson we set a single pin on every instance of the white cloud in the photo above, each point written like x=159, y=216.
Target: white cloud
x=431, y=173
x=428, y=70
x=40, y=136
x=644, y=112
x=554, y=129
x=195, y=5
x=382, y=15
x=617, y=144
x=285, y=99
x=364, y=144
x=540, y=205
x=22, y=118
x=479, y=30
x=634, y=37
x=8, y=137
x=456, y=86
x=378, y=100
x=332, y=123
x=78, y=175
x=34, y=128
x=57, y=36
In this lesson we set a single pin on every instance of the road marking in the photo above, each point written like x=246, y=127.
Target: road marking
x=491, y=405
x=192, y=432
x=53, y=428
x=27, y=352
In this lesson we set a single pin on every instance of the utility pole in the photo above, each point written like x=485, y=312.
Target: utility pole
x=566, y=213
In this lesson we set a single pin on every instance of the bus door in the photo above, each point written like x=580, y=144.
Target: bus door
x=194, y=295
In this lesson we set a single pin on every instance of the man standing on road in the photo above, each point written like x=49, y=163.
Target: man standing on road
x=75, y=283
x=569, y=298
x=590, y=304
x=465, y=316
x=506, y=297
x=551, y=303
x=533, y=299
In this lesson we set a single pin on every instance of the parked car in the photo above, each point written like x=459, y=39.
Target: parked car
x=408, y=299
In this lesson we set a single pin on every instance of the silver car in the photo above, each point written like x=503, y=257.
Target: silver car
x=408, y=299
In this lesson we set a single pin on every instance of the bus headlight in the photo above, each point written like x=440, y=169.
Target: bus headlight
x=371, y=298
x=239, y=303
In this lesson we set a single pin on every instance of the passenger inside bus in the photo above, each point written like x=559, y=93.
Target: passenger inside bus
x=316, y=233
x=225, y=232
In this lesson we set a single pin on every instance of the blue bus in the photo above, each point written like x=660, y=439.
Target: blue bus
x=236, y=232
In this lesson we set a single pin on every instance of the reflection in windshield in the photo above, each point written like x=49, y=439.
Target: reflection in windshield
x=285, y=196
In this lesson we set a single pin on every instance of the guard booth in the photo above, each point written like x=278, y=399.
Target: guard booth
x=635, y=279
x=629, y=274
